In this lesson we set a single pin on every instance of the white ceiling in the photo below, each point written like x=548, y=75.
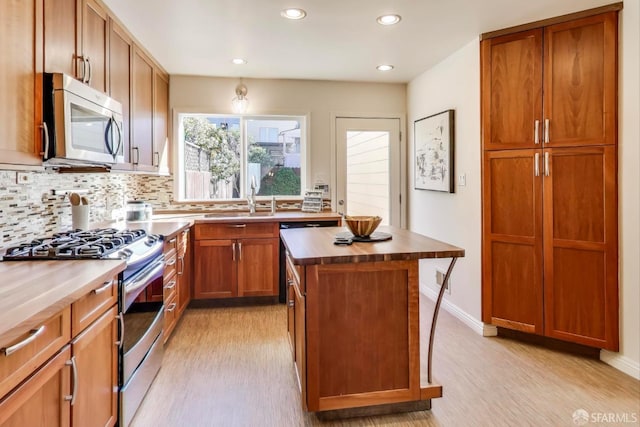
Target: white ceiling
x=338, y=40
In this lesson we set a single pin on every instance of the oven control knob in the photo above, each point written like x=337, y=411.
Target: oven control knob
x=125, y=253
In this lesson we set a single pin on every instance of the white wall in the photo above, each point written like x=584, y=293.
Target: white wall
x=456, y=218
x=320, y=99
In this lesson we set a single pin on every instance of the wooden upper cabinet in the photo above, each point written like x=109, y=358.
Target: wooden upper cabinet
x=581, y=246
x=120, y=63
x=512, y=90
x=161, y=155
x=580, y=81
x=142, y=111
x=61, y=18
x=512, y=240
x=21, y=83
x=95, y=44
x=76, y=39
x=574, y=64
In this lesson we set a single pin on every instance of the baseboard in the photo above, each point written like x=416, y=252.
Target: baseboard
x=476, y=325
x=621, y=363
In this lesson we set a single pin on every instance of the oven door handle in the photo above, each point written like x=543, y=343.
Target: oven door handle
x=142, y=281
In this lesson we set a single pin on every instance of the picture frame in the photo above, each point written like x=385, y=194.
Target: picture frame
x=434, y=144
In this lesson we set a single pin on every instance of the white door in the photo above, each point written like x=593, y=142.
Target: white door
x=368, y=168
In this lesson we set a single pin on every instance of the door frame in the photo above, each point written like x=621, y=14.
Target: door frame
x=402, y=191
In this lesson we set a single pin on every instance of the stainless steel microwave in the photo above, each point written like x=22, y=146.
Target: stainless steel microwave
x=81, y=124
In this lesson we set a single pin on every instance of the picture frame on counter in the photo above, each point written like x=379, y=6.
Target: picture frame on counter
x=434, y=143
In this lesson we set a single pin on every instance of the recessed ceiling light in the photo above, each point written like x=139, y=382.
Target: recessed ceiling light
x=293, y=13
x=388, y=19
x=384, y=67
x=239, y=61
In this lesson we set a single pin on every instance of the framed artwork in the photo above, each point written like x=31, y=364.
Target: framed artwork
x=433, y=152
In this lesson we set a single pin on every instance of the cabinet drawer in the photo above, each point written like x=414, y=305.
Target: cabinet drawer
x=93, y=304
x=170, y=243
x=42, y=342
x=236, y=230
x=170, y=263
x=169, y=286
x=170, y=316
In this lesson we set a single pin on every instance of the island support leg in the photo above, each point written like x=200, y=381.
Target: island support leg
x=435, y=317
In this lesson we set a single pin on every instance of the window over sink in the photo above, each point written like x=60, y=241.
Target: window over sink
x=219, y=156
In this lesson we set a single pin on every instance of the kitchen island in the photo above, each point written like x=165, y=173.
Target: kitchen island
x=354, y=323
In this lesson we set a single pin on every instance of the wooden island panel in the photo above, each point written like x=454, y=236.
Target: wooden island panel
x=356, y=322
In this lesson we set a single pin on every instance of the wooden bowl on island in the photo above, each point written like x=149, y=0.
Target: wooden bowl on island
x=362, y=226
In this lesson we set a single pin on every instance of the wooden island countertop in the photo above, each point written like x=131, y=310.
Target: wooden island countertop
x=354, y=323
x=308, y=246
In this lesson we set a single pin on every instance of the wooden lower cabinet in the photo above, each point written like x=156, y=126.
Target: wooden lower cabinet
x=550, y=260
x=184, y=270
x=44, y=399
x=95, y=355
x=243, y=262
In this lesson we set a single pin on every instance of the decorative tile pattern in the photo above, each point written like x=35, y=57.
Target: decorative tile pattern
x=31, y=210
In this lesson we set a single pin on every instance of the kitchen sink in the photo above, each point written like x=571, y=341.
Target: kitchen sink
x=238, y=215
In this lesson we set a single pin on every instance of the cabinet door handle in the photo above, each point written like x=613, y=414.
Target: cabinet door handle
x=239, y=251
x=536, y=132
x=120, y=342
x=84, y=69
x=236, y=225
x=536, y=164
x=181, y=271
x=33, y=334
x=102, y=288
x=546, y=164
x=137, y=157
x=90, y=71
x=74, y=369
x=546, y=131
x=233, y=251
x=45, y=132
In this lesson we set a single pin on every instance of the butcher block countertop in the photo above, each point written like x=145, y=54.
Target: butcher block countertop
x=308, y=246
x=33, y=291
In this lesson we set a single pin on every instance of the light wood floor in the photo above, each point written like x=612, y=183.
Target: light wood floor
x=232, y=367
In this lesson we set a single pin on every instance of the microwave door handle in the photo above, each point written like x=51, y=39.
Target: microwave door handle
x=120, y=139
x=108, y=131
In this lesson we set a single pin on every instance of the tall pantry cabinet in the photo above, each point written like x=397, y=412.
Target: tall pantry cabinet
x=549, y=139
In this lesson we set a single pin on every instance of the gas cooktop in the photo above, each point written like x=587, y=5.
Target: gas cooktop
x=100, y=243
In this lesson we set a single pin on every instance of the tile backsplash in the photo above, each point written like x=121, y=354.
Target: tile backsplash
x=31, y=210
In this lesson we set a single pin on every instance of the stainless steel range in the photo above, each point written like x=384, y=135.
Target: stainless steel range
x=141, y=319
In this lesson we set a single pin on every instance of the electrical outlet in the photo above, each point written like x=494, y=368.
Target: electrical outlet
x=24, y=178
x=440, y=279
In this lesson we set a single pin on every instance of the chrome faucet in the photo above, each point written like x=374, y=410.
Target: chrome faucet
x=251, y=200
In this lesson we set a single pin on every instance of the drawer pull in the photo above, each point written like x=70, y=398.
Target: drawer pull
x=33, y=335
x=74, y=392
x=236, y=225
x=171, y=285
x=171, y=307
x=103, y=288
x=233, y=251
x=172, y=241
x=171, y=262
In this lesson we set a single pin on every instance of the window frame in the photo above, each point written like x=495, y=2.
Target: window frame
x=179, y=157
